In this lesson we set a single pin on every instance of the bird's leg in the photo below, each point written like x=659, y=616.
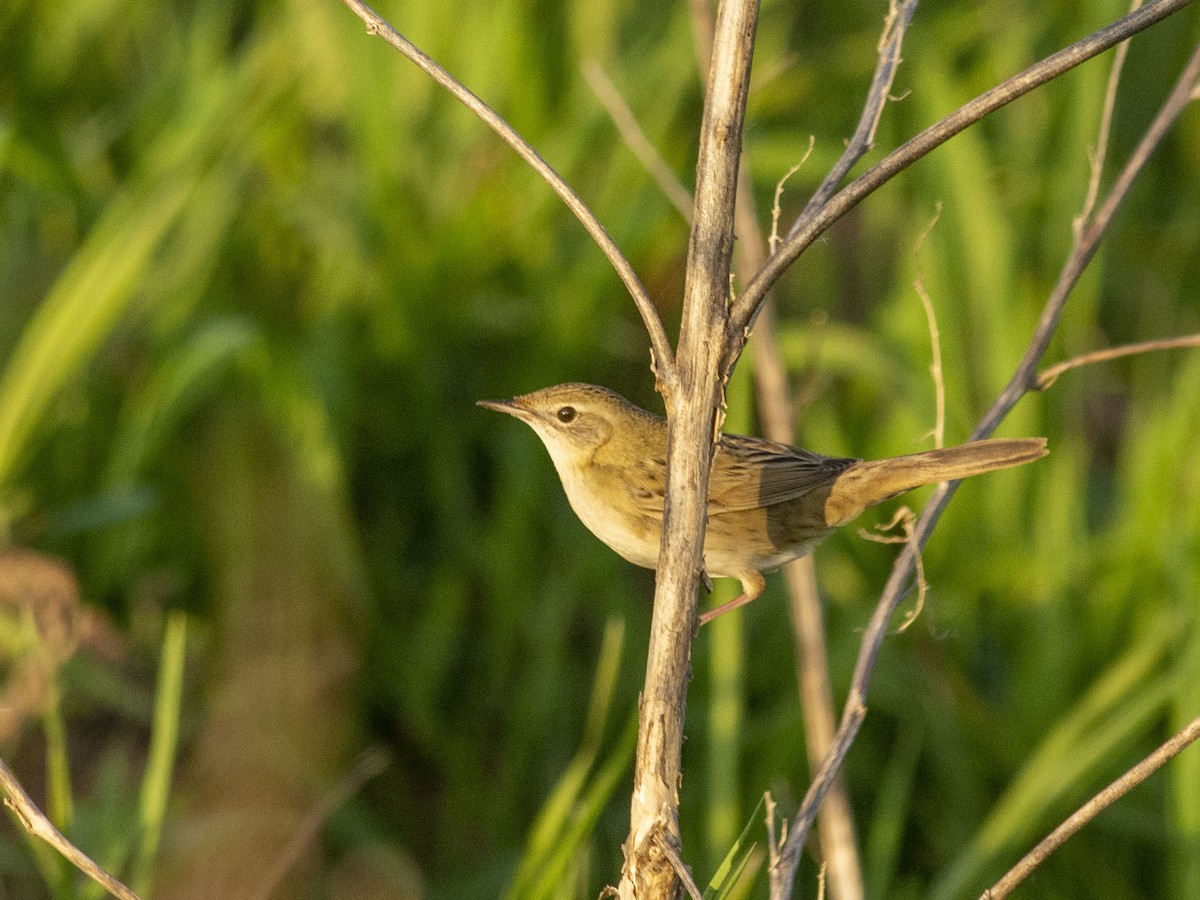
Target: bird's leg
x=752, y=586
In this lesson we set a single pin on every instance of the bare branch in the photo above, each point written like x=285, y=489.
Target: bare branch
x=681, y=869
x=1101, y=150
x=746, y=308
x=1022, y=381
x=863, y=139
x=35, y=822
x=1050, y=375
x=1102, y=801
x=784, y=874
x=663, y=359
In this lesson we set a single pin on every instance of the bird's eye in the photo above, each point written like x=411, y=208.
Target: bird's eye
x=566, y=414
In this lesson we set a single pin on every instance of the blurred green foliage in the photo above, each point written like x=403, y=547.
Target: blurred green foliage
x=254, y=271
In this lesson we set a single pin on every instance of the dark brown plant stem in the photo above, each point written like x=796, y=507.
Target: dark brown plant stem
x=662, y=357
x=1022, y=381
x=692, y=423
x=814, y=223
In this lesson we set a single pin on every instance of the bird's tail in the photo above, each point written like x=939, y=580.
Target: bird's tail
x=867, y=483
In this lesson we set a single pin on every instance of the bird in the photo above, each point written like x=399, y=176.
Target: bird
x=768, y=502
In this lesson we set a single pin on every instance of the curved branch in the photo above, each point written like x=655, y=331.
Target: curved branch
x=1047, y=379
x=662, y=358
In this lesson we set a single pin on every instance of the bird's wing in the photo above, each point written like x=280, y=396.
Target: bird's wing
x=783, y=473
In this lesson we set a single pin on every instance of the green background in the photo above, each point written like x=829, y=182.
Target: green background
x=255, y=269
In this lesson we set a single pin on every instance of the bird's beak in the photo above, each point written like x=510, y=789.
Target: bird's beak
x=511, y=407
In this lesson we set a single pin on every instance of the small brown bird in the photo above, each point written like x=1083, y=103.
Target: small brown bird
x=768, y=503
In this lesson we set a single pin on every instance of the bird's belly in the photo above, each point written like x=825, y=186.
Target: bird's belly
x=634, y=537
x=761, y=539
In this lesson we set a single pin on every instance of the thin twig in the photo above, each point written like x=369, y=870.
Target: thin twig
x=775, y=240
x=813, y=225
x=663, y=359
x=1047, y=378
x=1102, y=801
x=1023, y=379
x=1100, y=152
x=895, y=26
x=772, y=844
x=935, y=341
x=904, y=519
x=685, y=874
x=635, y=139
x=35, y=822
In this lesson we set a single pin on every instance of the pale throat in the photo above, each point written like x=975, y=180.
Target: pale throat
x=580, y=480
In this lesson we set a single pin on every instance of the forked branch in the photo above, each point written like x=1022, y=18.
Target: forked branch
x=1023, y=380
x=747, y=305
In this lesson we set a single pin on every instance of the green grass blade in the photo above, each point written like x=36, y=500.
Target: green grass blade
x=164, y=741
x=730, y=871
x=583, y=819
x=547, y=838
x=1119, y=706
x=80, y=312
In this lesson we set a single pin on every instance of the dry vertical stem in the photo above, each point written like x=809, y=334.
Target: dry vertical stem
x=691, y=420
x=935, y=341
